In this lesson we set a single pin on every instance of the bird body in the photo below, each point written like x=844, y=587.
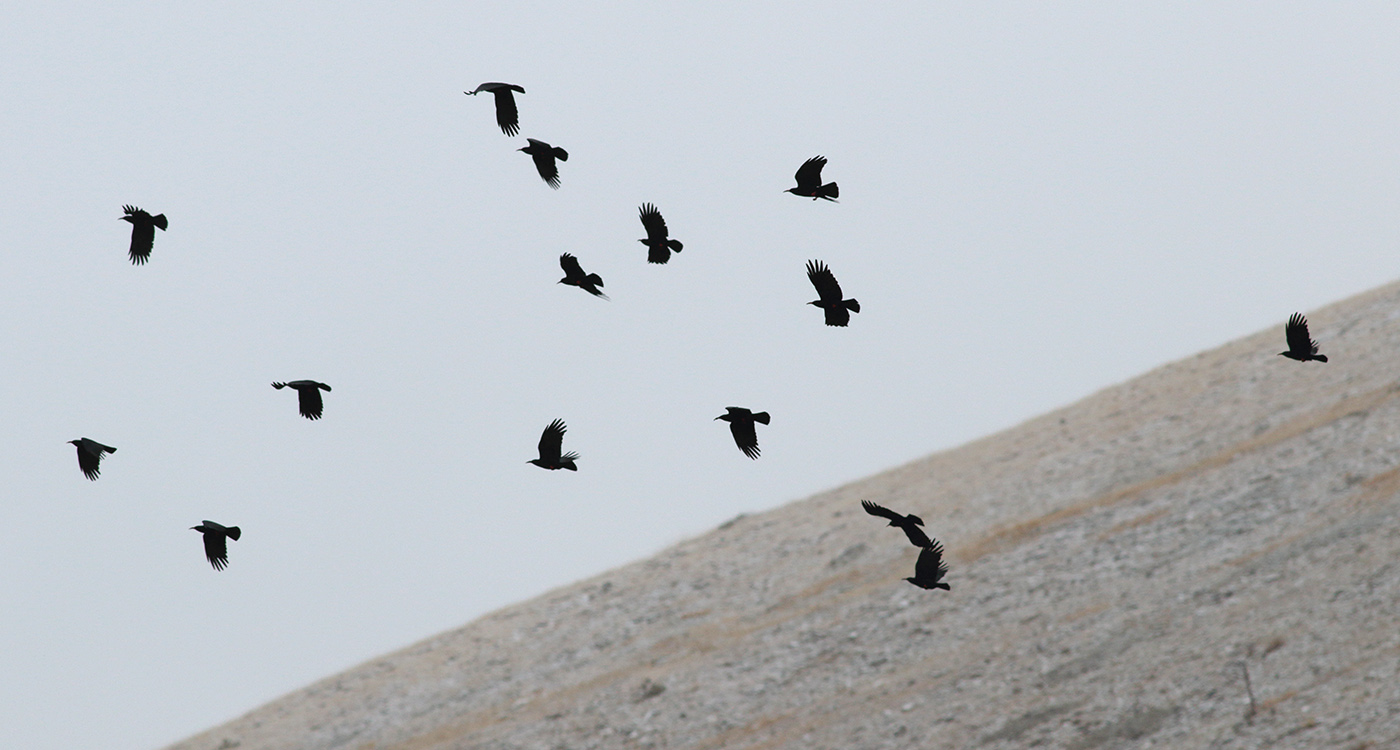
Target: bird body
x=659, y=247
x=1300, y=345
x=507, y=116
x=308, y=396
x=741, y=426
x=90, y=453
x=809, y=181
x=143, y=233
x=838, y=311
x=929, y=570
x=544, y=156
x=910, y=524
x=551, y=445
x=574, y=276
x=216, y=538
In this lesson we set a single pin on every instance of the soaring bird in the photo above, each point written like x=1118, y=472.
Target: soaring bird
x=506, y=114
x=929, y=570
x=544, y=156
x=143, y=232
x=741, y=426
x=90, y=454
x=909, y=523
x=216, y=538
x=308, y=396
x=574, y=276
x=1300, y=346
x=551, y=443
x=659, y=248
x=830, y=293
x=809, y=181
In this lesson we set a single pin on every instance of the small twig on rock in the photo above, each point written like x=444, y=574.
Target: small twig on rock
x=1249, y=690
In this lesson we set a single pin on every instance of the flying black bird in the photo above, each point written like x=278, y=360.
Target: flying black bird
x=659, y=248
x=574, y=276
x=909, y=523
x=830, y=293
x=809, y=181
x=308, y=396
x=143, y=232
x=506, y=114
x=90, y=454
x=741, y=426
x=216, y=542
x=929, y=570
x=544, y=156
x=1300, y=346
x=551, y=443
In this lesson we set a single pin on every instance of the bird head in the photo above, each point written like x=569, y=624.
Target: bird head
x=127, y=218
x=725, y=417
x=792, y=190
x=74, y=442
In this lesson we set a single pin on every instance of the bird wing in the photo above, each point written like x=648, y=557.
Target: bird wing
x=88, y=461
x=930, y=566
x=143, y=237
x=745, y=436
x=825, y=281
x=837, y=316
x=552, y=441
x=809, y=175
x=309, y=400
x=1297, y=333
x=549, y=171
x=507, y=116
x=653, y=223
x=881, y=511
x=216, y=547
x=571, y=267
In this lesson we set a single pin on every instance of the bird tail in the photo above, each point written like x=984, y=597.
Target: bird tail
x=159, y=220
x=110, y=449
x=829, y=191
x=233, y=532
x=595, y=279
x=561, y=154
x=851, y=305
x=760, y=416
x=674, y=245
x=943, y=586
x=1320, y=357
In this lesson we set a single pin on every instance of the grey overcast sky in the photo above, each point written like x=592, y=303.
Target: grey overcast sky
x=1037, y=201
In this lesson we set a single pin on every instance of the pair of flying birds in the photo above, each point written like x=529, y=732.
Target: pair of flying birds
x=741, y=426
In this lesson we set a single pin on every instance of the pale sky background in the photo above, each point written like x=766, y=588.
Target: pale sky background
x=1036, y=201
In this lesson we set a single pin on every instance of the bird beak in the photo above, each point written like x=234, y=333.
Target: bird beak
x=718, y=418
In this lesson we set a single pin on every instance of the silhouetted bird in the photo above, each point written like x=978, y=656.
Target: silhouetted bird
x=544, y=156
x=910, y=523
x=216, y=542
x=809, y=181
x=929, y=570
x=143, y=232
x=506, y=114
x=308, y=396
x=1300, y=346
x=741, y=426
x=551, y=443
x=659, y=248
x=574, y=276
x=830, y=293
x=90, y=454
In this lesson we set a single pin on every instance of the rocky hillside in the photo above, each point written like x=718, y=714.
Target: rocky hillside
x=1126, y=572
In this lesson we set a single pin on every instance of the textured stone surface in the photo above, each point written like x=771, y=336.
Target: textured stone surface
x=1117, y=566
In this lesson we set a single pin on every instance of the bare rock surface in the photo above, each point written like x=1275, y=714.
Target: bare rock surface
x=1118, y=567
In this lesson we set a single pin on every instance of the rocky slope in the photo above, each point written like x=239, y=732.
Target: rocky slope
x=1118, y=567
